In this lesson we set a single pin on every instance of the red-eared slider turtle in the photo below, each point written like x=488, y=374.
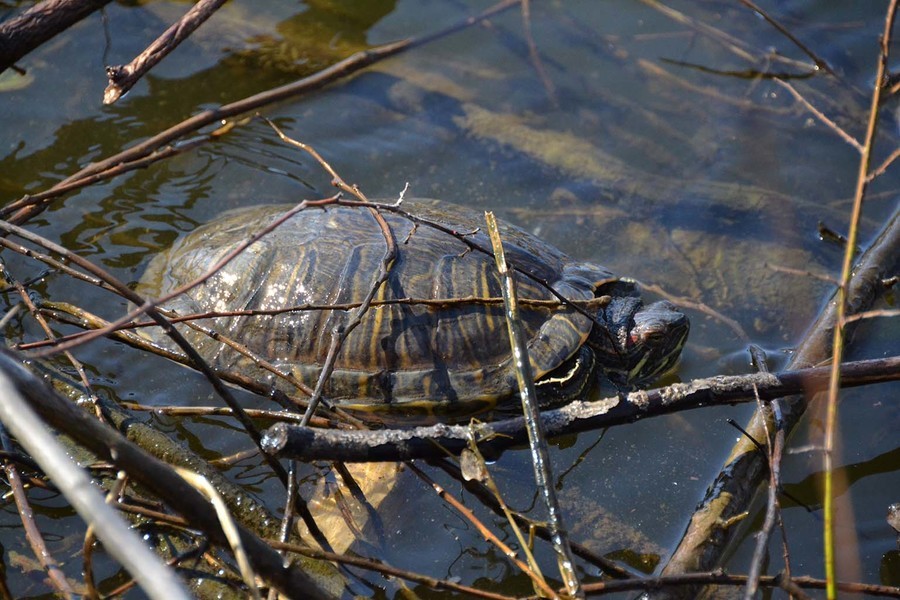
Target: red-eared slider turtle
x=452, y=356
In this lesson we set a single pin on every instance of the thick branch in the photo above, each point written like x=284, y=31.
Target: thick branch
x=22, y=34
x=309, y=443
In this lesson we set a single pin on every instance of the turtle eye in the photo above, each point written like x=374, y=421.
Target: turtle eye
x=653, y=336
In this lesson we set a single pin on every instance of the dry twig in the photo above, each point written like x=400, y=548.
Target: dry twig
x=537, y=442
x=843, y=295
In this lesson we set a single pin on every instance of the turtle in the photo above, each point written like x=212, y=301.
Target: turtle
x=434, y=337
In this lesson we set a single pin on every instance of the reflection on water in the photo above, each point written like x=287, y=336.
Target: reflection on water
x=654, y=153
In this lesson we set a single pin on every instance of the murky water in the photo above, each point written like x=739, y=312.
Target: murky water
x=636, y=141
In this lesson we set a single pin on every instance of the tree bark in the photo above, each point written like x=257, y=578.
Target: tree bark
x=20, y=35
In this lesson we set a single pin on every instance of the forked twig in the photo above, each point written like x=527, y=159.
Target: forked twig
x=342, y=330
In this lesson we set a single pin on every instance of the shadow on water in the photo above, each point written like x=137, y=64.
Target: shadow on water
x=709, y=185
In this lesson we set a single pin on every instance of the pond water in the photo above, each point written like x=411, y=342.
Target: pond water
x=631, y=136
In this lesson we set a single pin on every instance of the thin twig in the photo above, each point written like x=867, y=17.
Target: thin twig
x=258, y=361
x=872, y=314
x=483, y=530
x=685, y=302
x=535, y=56
x=820, y=115
x=87, y=548
x=862, y=181
x=883, y=167
x=379, y=566
x=474, y=461
x=693, y=580
x=820, y=62
x=775, y=448
x=435, y=303
x=32, y=533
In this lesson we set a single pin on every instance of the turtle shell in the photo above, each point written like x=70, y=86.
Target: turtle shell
x=404, y=352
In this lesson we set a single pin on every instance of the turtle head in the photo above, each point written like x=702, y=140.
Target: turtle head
x=635, y=344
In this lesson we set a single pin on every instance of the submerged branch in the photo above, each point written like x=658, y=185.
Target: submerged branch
x=745, y=469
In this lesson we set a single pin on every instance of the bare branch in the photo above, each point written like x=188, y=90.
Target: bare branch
x=20, y=35
x=308, y=443
x=123, y=77
x=120, y=541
